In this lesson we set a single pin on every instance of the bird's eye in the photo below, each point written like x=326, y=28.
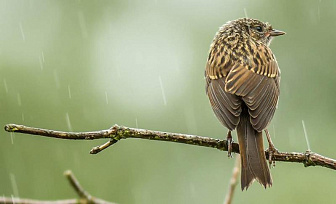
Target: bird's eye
x=258, y=28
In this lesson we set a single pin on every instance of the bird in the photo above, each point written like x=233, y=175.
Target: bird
x=243, y=86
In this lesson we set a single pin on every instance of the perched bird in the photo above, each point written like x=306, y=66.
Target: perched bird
x=242, y=83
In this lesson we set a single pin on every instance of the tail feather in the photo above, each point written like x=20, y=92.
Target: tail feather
x=253, y=162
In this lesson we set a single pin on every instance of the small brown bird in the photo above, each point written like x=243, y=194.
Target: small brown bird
x=242, y=83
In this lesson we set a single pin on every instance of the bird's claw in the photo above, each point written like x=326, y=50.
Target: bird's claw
x=229, y=144
x=271, y=151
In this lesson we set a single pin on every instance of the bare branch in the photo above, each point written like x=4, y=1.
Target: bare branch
x=58, y=134
x=75, y=185
x=6, y=200
x=84, y=197
x=233, y=181
x=117, y=133
x=100, y=148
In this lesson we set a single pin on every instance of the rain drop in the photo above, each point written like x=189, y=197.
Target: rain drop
x=163, y=92
x=69, y=91
x=306, y=135
x=14, y=185
x=67, y=118
x=245, y=13
x=42, y=55
x=22, y=33
x=106, y=97
x=12, y=137
x=5, y=85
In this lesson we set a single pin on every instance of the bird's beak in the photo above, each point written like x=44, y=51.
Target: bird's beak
x=276, y=32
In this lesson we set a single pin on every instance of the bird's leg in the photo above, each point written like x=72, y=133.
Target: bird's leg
x=271, y=149
x=229, y=143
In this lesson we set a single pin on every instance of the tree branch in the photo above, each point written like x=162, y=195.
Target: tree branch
x=117, y=133
x=84, y=197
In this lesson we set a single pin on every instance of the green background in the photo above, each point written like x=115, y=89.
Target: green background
x=86, y=65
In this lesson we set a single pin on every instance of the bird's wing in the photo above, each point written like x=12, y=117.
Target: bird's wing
x=226, y=106
x=256, y=78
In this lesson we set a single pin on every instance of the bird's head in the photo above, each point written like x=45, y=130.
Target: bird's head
x=253, y=29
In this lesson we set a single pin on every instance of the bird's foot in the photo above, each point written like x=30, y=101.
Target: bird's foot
x=271, y=149
x=229, y=143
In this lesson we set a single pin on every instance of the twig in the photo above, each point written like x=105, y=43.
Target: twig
x=117, y=133
x=6, y=200
x=75, y=185
x=233, y=181
x=59, y=134
x=100, y=148
x=84, y=197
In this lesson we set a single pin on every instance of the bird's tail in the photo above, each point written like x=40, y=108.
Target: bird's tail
x=253, y=161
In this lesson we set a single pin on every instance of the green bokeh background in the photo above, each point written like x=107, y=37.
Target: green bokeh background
x=86, y=65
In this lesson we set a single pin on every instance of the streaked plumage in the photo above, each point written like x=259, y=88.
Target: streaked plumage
x=242, y=83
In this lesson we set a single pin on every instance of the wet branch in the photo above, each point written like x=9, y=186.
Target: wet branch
x=117, y=133
x=84, y=197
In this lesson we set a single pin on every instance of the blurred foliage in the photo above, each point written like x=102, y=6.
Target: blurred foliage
x=85, y=65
